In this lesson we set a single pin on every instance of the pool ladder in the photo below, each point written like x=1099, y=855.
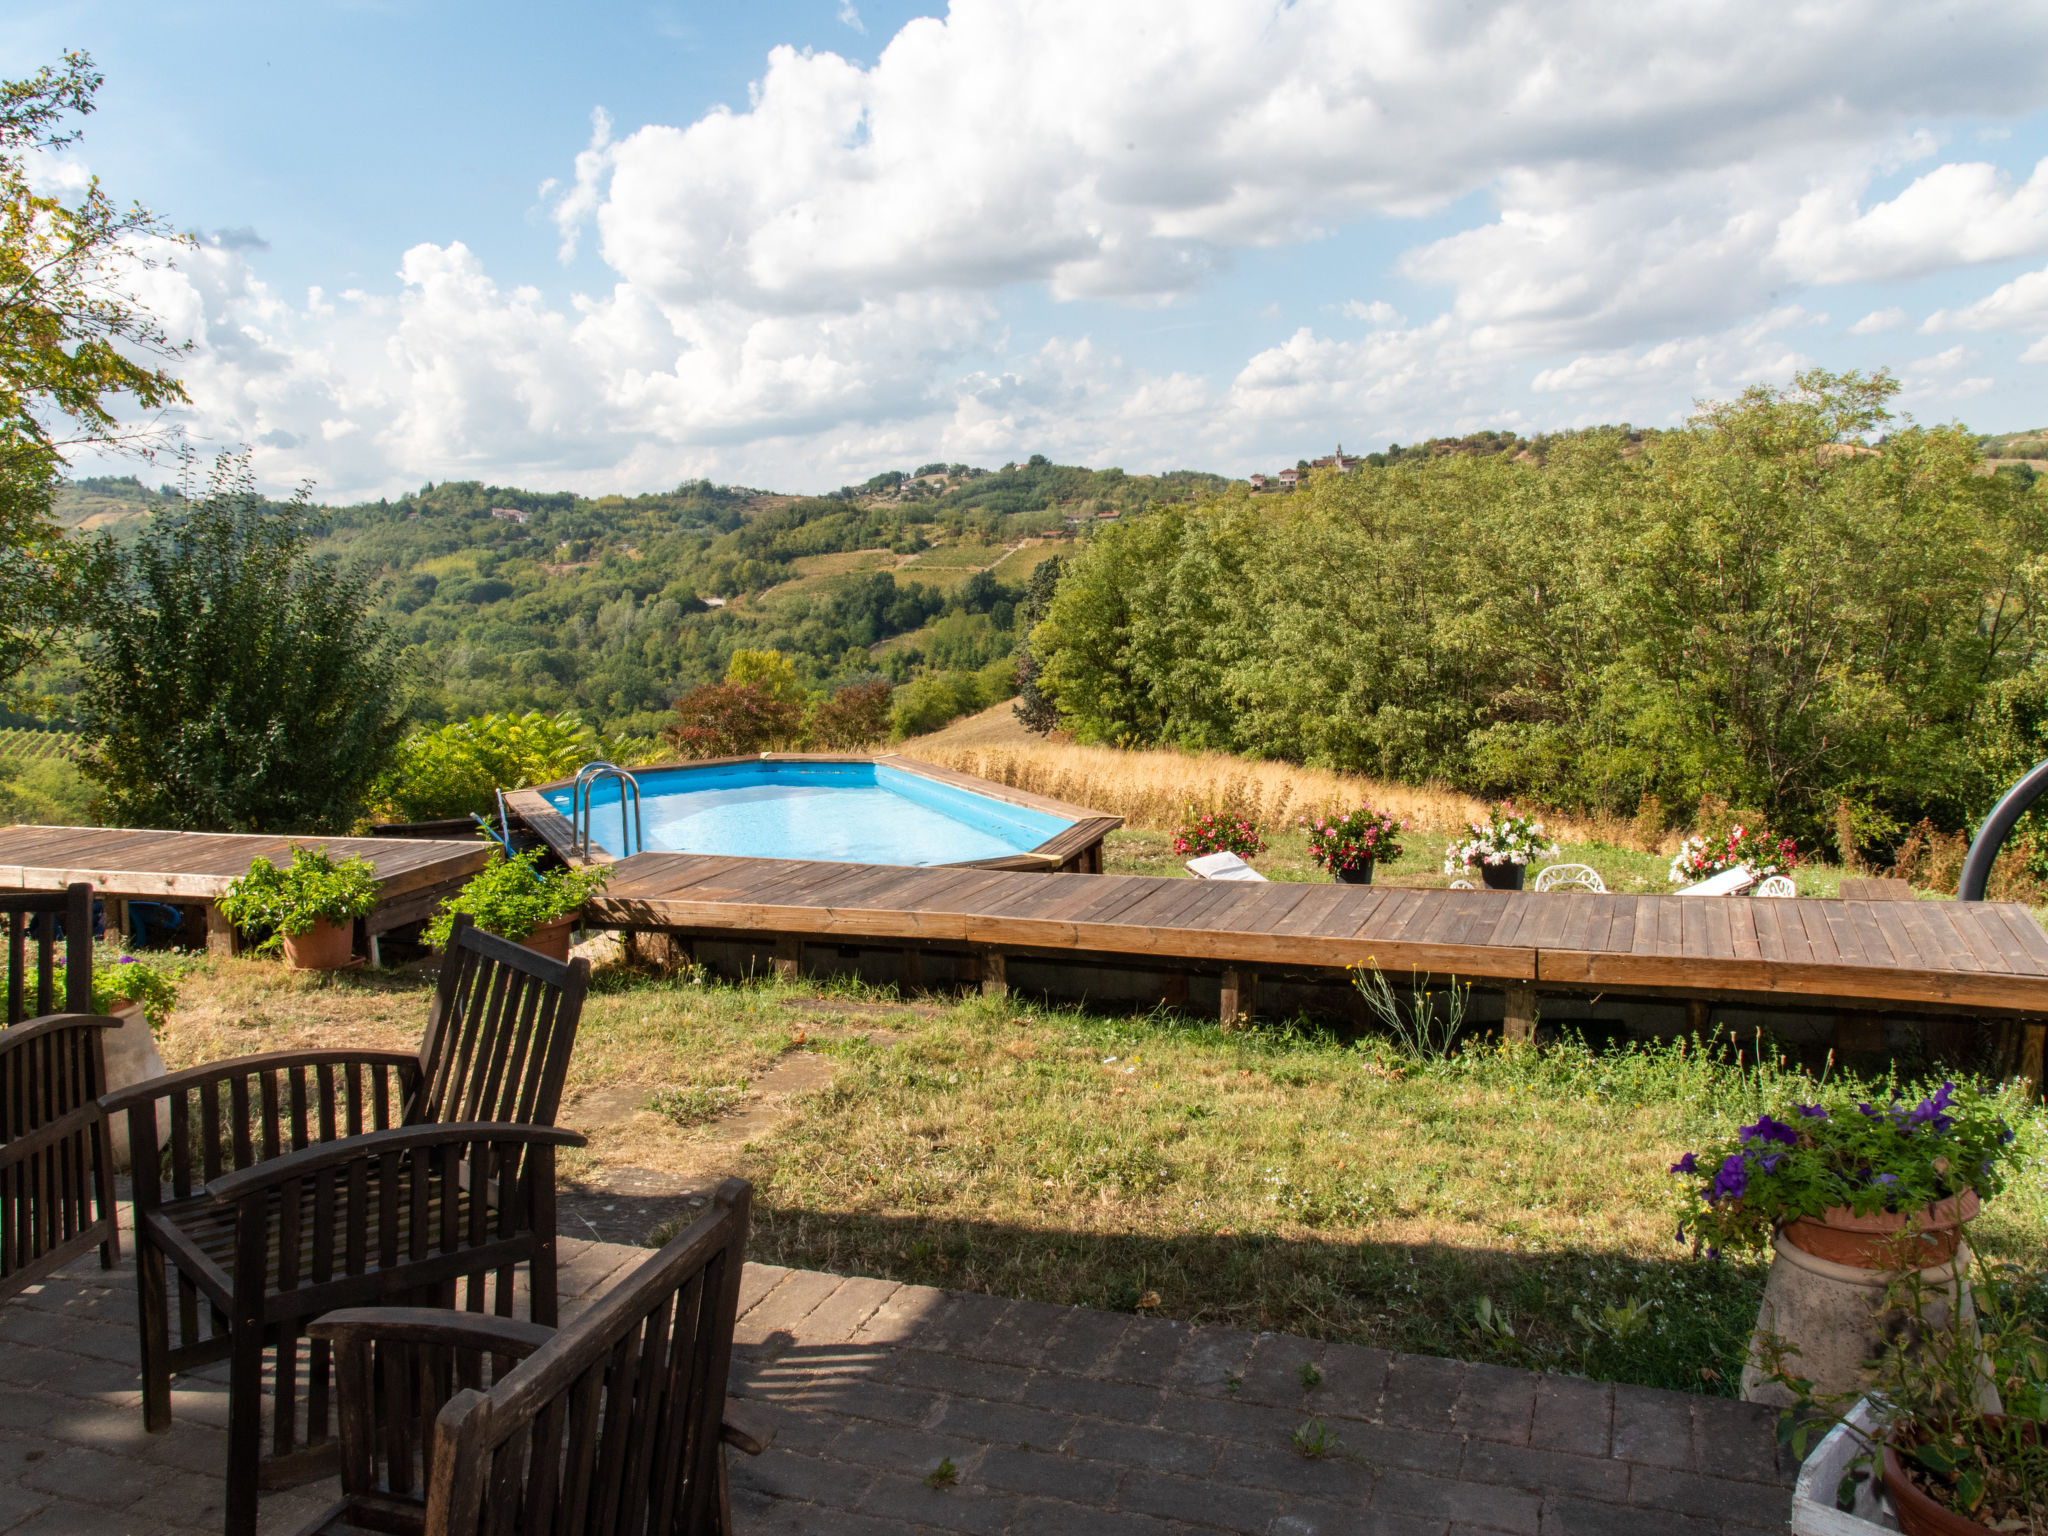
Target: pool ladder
x=588, y=777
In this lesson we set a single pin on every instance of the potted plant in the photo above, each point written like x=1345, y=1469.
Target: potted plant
x=1500, y=848
x=310, y=906
x=141, y=996
x=1348, y=845
x=1850, y=1195
x=1952, y=1420
x=1702, y=855
x=518, y=900
x=1219, y=831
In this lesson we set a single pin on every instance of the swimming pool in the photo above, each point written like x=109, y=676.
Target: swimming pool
x=840, y=811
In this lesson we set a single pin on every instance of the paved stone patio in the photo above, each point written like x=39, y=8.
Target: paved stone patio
x=1054, y=1419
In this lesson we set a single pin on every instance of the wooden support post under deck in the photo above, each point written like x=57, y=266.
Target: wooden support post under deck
x=220, y=933
x=2031, y=1052
x=1518, y=1015
x=995, y=975
x=789, y=957
x=1239, y=996
x=1696, y=1012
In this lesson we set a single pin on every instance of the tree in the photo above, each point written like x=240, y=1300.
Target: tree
x=235, y=682
x=1033, y=709
x=73, y=343
x=770, y=671
x=853, y=717
x=732, y=720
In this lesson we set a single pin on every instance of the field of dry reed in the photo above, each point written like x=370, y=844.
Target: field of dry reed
x=1151, y=790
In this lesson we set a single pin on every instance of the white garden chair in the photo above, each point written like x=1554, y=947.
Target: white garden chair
x=1730, y=882
x=1223, y=866
x=1463, y=885
x=1583, y=876
x=1777, y=885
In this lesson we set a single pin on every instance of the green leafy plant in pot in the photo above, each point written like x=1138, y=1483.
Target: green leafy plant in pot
x=310, y=906
x=1952, y=1420
x=518, y=900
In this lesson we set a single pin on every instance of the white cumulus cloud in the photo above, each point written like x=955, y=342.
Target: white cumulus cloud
x=823, y=280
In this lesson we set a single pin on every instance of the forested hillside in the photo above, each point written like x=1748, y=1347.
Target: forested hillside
x=1762, y=607
x=612, y=606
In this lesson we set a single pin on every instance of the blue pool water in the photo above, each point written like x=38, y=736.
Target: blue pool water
x=857, y=813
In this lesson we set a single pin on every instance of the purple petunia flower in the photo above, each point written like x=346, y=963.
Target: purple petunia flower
x=1767, y=1129
x=127, y=960
x=1812, y=1111
x=1886, y=1178
x=1690, y=1163
x=1732, y=1180
x=1769, y=1162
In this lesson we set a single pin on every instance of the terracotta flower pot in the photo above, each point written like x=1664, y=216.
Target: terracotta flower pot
x=326, y=946
x=1889, y=1240
x=1919, y=1514
x=552, y=938
x=1362, y=875
x=1503, y=877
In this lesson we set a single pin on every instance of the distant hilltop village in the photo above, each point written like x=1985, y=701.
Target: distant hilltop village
x=1344, y=463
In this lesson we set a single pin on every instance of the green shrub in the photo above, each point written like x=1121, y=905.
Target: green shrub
x=311, y=889
x=512, y=897
x=454, y=770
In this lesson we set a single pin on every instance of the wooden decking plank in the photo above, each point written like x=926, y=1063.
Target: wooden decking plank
x=2000, y=946
x=1328, y=910
x=2020, y=927
x=1714, y=930
x=1661, y=930
x=1887, y=941
x=1742, y=934
x=1183, y=904
x=1969, y=947
x=1382, y=923
x=1793, y=948
x=1842, y=930
x=1286, y=899
x=1071, y=894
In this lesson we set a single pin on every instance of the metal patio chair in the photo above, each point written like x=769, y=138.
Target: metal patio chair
x=455, y=1425
x=300, y=1181
x=1582, y=876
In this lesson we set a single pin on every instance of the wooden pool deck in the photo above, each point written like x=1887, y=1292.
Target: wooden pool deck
x=196, y=868
x=1931, y=957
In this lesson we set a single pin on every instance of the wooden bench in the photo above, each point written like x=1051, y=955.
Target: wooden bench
x=454, y=1424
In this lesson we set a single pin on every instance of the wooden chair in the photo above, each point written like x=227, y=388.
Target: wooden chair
x=613, y=1425
x=300, y=1181
x=56, y=1163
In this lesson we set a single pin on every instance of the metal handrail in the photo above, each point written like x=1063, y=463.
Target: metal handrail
x=582, y=797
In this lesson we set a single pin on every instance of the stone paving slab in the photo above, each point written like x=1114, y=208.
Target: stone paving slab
x=1053, y=1419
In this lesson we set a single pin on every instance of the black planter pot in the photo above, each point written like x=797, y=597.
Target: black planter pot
x=1359, y=876
x=1503, y=877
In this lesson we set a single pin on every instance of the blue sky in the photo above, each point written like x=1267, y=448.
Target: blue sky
x=813, y=242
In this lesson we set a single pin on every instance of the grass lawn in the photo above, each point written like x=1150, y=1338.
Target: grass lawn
x=1269, y=1178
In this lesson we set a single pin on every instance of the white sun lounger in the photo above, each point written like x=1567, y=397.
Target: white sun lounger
x=1730, y=882
x=1223, y=866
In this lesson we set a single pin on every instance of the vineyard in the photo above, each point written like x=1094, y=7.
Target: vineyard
x=27, y=745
